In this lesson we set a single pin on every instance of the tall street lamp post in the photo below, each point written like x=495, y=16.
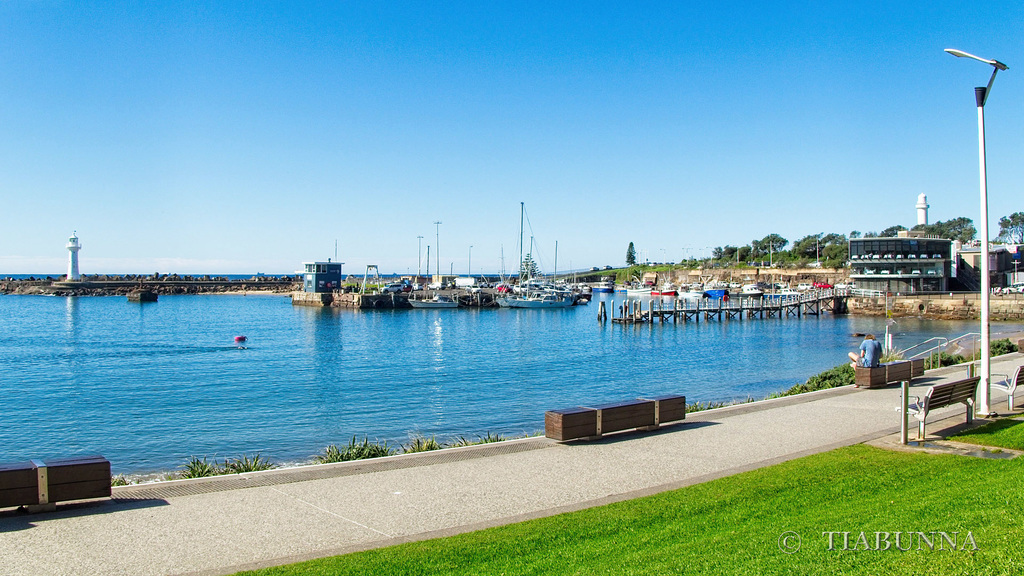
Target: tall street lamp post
x=981, y=96
x=470, y=265
x=419, y=256
x=437, y=245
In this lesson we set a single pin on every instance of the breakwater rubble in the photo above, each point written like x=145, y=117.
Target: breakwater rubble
x=112, y=285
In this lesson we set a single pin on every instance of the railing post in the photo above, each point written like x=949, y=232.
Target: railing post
x=904, y=411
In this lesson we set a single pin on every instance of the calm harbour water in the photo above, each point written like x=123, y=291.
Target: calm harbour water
x=150, y=385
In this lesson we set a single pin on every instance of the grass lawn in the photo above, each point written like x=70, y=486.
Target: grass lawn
x=733, y=525
x=1004, y=433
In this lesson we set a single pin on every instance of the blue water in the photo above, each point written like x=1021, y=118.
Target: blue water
x=150, y=385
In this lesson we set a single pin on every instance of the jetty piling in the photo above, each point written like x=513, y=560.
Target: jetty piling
x=811, y=303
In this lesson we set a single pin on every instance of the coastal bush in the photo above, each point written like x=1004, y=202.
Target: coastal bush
x=245, y=464
x=119, y=480
x=421, y=444
x=460, y=442
x=355, y=450
x=944, y=359
x=485, y=439
x=488, y=438
x=701, y=406
x=842, y=375
x=1003, y=346
x=196, y=468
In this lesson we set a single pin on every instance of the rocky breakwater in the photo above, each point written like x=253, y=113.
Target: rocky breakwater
x=103, y=285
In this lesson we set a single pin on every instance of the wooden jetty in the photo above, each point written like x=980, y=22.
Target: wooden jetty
x=811, y=303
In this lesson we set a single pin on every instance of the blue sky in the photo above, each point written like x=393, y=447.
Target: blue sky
x=239, y=137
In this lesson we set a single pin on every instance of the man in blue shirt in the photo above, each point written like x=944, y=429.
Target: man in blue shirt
x=870, y=353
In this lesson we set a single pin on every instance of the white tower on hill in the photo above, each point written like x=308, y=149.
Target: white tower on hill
x=922, y=209
x=73, y=248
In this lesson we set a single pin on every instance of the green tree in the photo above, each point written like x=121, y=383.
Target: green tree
x=528, y=268
x=774, y=243
x=961, y=229
x=630, y=255
x=743, y=253
x=1011, y=228
x=891, y=231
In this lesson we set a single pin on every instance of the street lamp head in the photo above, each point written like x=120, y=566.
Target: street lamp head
x=962, y=54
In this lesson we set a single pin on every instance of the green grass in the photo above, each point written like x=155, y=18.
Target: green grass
x=732, y=525
x=1004, y=433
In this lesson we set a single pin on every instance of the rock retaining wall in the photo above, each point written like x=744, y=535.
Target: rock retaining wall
x=945, y=306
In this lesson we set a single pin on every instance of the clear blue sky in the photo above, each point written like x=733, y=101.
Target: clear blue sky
x=243, y=137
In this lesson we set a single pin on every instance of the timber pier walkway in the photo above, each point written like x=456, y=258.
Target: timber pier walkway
x=811, y=303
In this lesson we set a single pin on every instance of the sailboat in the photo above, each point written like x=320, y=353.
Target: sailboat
x=532, y=293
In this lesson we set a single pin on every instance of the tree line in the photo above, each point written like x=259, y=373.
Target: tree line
x=832, y=250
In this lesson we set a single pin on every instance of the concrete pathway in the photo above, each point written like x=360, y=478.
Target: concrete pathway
x=226, y=524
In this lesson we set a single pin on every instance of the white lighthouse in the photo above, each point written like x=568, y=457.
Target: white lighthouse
x=922, y=209
x=73, y=248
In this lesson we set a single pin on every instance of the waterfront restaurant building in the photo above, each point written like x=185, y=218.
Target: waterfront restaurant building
x=321, y=276
x=908, y=263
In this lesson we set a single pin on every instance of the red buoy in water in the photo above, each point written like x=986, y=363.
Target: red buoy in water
x=240, y=339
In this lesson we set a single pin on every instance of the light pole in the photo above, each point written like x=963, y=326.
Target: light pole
x=437, y=245
x=419, y=256
x=980, y=97
x=470, y=266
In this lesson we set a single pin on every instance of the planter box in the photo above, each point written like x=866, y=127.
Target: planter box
x=917, y=368
x=869, y=377
x=897, y=371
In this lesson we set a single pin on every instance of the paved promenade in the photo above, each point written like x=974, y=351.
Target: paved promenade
x=219, y=526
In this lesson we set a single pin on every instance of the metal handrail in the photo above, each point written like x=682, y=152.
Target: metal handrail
x=937, y=348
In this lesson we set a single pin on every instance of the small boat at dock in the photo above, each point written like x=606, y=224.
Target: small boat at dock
x=438, y=301
x=667, y=289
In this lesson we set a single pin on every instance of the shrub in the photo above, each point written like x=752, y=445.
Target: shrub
x=421, y=444
x=196, y=468
x=488, y=438
x=355, y=450
x=1000, y=347
x=246, y=464
x=945, y=359
x=842, y=375
x=119, y=480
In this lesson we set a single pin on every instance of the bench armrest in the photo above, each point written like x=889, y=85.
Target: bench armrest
x=916, y=407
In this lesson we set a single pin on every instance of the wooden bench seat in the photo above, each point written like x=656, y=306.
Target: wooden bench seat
x=942, y=395
x=39, y=484
x=595, y=421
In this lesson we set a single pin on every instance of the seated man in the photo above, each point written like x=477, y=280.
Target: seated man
x=870, y=353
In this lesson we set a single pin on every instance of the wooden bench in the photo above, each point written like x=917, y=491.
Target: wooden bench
x=1010, y=384
x=38, y=485
x=942, y=395
x=594, y=421
x=887, y=373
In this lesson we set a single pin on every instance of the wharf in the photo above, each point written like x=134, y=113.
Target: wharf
x=229, y=523
x=810, y=303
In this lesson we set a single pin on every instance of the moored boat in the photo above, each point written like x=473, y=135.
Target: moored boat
x=438, y=301
x=667, y=289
